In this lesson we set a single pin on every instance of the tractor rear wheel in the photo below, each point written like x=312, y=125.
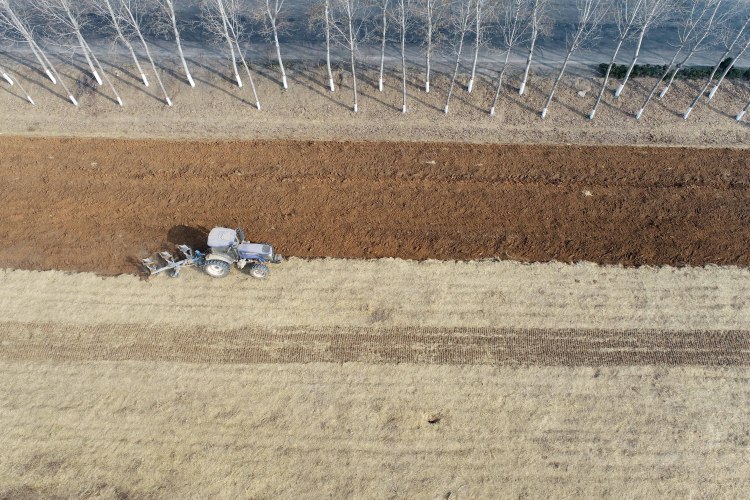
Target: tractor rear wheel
x=259, y=271
x=216, y=268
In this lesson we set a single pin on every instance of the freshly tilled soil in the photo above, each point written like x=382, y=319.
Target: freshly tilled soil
x=102, y=204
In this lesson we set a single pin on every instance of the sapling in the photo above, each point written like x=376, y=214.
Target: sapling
x=538, y=24
x=625, y=13
x=348, y=30
x=382, y=43
x=461, y=18
x=514, y=25
x=478, y=39
x=431, y=14
x=590, y=15
x=166, y=13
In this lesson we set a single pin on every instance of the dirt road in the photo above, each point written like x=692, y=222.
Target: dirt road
x=98, y=205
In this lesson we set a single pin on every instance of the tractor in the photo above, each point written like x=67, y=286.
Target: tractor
x=225, y=247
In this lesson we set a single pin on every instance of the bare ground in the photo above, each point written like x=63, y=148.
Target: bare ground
x=98, y=205
x=218, y=109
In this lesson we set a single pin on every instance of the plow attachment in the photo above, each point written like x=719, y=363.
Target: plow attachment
x=171, y=265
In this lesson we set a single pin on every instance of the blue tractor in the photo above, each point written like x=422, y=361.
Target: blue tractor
x=225, y=248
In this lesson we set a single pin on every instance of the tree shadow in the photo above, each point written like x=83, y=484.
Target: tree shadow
x=312, y=84
x=8, y=90
x=32, y=81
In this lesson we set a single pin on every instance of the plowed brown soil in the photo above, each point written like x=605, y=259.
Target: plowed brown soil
x=100, y=204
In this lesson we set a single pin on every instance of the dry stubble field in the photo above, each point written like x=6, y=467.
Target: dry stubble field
x=397, y=378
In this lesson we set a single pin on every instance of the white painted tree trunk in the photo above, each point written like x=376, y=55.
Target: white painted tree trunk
x=136, y=27
x=728, y=69
x=125, y=41
x=178, y=41
x=352, y=50
x=225, y=24
x=687, y=112
x=278, y=55
x=10, y=81
x=104, y=74
x=455, y=73
x=86, y=55
x=632, y=63
x=557, y=82
x=639, y=113
x=21, y=28
x=428, y=52
x=382, y=45
x=402, y=7
x=592, y=113
x=742, y=113
x=500, y=81
x=477, y=41
x=56, y=74
x=529, y=57
x=249, y=75
x=328, y=45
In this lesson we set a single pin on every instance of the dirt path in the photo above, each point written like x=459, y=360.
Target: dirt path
x=98, y=205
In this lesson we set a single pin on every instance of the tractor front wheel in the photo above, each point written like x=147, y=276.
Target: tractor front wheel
x=216, y=268
x=259, y=271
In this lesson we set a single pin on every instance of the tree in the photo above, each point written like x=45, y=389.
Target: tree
x=590, y=15
x=460, y=20
x=698, y=20
x=650, y=15
x=514, y=25
x=431, y=14
x=538, y=25
x=221, y=18
x=10, y=20
x=743, y=112
x=10, y=81
x=478, y=38
x=382, y=44
x=273, y=26
x=348, y=28
x=728, y=68
x=107, y=10
x=64, y=18
x=129, y=15
x=320, y=16
x=625, y=12
x=401, y=15
x=717, y=67
x=166, y=13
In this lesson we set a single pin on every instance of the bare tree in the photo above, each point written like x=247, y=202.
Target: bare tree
x=221, y=18
x=10, y=81
x=382, y=43
x=590, y=15
x=431, y=14
x=461, y=18
x=728, y=68
x=698, y=20
x=649, y=16
x=625, y=13
x=64, y=18
x=320, y=16
x=166, y=13
x=349, y=30
x=10, y=19
x=743, y=112
x=478, y=39
x=514, y=25
x=273, y=26
x=401, y=16
x=538, y=25
x=731, y=45
x=106, y=9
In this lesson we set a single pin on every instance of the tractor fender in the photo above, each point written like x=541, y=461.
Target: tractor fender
x=219, y=256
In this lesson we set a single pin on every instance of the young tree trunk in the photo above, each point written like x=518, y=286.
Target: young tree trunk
x=477, y=41
x=500, y=81
x=249, y=75
x=606, y=78
x=10, y=81
x=715, y=69
x=639, y=113
x=428, y=52
x=228, y=38
x=455, y=72
x=632, y=64
x=21, y=28
x=125, y=41
x=402, y=7
x=557, y=82
x=278, y=54
x=86, y=55
x=98, y=65
x=328, y=44
x=534, y=35
x=382, y=45
x=742, y=113
x=352, y=49
x=57, y=75
x=137, y=29
x=173, y=17
x=5, y=76
x=727, y=70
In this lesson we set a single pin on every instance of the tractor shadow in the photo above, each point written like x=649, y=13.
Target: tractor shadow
x=194, y=237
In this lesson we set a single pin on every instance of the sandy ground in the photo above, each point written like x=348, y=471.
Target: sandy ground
x=134, y=429
x=218, y=109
